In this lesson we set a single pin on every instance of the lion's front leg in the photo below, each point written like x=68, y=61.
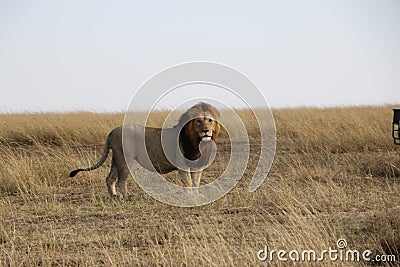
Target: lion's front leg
x=185, y=178
x=196, y=178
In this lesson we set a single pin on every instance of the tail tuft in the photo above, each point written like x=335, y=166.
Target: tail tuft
x=73, y=173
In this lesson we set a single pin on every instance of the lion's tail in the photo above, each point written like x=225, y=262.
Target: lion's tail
x=98, y=164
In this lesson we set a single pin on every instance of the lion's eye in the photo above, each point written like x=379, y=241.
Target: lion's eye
x=198, y=122
x=209, y=120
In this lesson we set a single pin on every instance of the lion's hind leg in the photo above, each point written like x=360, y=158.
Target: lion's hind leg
x=112, y=179
x=123, y=174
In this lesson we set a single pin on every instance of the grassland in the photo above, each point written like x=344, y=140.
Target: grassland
x=336, y=175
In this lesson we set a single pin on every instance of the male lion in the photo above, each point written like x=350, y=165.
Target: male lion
x=194, y=131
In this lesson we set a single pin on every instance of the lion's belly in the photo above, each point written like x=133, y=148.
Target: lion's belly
x=164, y=168
x=158, y=163
x=150, y=154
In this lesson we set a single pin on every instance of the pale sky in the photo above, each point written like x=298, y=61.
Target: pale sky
x=93, y=55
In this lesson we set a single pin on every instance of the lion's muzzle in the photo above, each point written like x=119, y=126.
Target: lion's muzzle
x=205, y=138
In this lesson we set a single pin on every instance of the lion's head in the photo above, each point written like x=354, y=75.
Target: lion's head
x=200, y=123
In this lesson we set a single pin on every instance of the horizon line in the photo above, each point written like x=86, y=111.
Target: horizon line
x=95, y=111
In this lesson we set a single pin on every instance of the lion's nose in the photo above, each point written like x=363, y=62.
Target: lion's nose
x=205, y=131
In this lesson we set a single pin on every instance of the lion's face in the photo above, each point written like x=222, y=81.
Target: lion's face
x=202, y=123
x=205, y=127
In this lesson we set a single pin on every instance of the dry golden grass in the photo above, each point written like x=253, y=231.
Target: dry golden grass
x=336, y=175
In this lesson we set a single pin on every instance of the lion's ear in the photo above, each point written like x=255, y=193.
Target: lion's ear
x=216, y=131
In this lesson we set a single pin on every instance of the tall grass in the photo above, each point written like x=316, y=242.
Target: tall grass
x=335, y=175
